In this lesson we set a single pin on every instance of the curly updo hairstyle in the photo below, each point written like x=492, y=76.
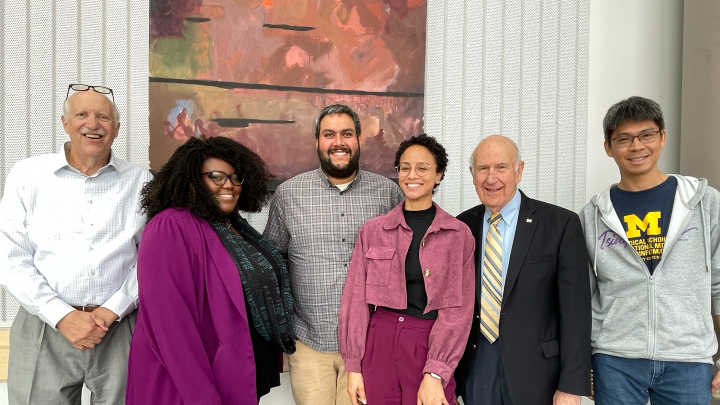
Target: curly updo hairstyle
x=180, y=184
x=432, y=145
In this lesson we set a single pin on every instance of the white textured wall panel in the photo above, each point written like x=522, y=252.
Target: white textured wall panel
x=136, y=92
x=66, y=59
x=43, y=48
x=511, y=69
x=115, y=44
x=435, y=68
x=453, y=133
x=41, y=73
x=16, y=109
x=491, y=90
x=547, y=141
x=530, y=94
x=567, y=79
x=581, y=100
x=91, y=33
x=518, y=68
x=472, y=112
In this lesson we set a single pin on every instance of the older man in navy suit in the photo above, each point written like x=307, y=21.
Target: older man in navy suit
x=530, y=337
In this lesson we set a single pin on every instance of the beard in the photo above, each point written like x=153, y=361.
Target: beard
x=335, y=171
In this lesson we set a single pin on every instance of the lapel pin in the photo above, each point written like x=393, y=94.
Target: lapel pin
x=528, y=220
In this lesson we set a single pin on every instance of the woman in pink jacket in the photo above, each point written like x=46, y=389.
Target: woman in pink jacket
x=408, y=300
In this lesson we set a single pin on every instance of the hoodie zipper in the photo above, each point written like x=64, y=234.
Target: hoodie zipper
x=652, y=324
x=652, y=306
x=651, y=289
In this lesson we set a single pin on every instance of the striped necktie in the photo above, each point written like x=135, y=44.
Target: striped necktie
x=491, y=296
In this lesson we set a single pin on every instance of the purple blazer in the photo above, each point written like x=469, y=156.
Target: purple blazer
x=192, y=339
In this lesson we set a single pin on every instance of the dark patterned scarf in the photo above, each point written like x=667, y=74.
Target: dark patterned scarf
x=269, y=300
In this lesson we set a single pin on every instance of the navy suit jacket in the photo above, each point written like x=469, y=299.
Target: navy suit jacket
x=545, y=319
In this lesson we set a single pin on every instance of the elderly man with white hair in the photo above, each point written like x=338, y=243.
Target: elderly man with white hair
x=69, y=230
x=530, y=338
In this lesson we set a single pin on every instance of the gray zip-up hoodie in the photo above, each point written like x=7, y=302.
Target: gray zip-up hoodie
x=666, y=316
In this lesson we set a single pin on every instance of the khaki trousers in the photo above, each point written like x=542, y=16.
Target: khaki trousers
x=317, y=378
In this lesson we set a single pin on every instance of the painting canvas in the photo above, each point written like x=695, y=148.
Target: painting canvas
x=259, y=71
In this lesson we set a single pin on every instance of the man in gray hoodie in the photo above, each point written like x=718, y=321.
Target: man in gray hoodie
x=653, y=242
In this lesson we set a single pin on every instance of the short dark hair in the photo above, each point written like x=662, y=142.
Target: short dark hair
x=633, y=109
x=432, y=145
x=337, y=109
x=180, y=184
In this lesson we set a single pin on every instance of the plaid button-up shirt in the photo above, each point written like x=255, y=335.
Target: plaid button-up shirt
x=315, y=225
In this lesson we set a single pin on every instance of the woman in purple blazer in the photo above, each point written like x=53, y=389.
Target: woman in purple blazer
x=215, y=304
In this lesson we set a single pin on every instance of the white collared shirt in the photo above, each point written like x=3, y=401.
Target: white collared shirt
x=71, y=239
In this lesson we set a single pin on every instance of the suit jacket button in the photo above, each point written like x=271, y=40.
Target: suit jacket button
x=477, y=316
x=474, y=347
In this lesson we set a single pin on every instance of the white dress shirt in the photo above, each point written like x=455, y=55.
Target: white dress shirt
x=71, y=239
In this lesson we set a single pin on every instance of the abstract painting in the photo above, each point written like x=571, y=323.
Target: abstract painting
x=259, y=71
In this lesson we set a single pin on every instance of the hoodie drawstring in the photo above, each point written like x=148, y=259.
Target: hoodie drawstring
x=596, y=242
x=705, y=241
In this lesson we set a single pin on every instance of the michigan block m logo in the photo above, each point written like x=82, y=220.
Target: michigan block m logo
x=649, y=225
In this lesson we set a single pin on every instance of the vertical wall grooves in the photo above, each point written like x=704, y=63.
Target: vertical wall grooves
x=502, y=72
x=575, y=96
x=482, y=69
x=444, y=52
x=53, y=68
x=462, y=107
x=522, y=71
x=557, y=94
x=104, y=43
x=581, y=117
x=538, y=157
x=79, y=9
x=523, y=86
x=28, y=77
x=128, y=117
x=3, y=158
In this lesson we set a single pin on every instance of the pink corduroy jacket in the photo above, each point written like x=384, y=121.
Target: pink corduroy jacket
x=377, y=277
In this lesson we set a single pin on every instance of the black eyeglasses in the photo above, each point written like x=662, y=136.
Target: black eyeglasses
x=220, y=178
x=624, y=141
x=85, y=87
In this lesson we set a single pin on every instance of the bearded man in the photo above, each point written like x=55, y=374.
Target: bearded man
x=314, y=219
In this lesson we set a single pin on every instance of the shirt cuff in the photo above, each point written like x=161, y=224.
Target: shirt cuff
x=120, y=304
x=54, y=311
x=353, y=365
x=439, y=368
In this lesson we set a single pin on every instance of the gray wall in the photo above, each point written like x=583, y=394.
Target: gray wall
x=700, y=146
